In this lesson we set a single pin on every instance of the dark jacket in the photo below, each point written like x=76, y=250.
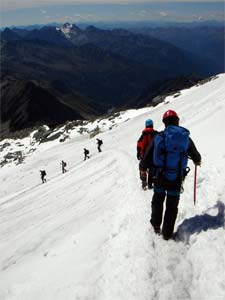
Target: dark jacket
x=86, y=151
x=43, y=173
x=99, y=142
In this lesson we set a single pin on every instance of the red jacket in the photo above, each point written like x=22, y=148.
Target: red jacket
x=144, y=140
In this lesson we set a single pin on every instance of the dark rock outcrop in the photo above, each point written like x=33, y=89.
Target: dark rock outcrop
x=24, y=104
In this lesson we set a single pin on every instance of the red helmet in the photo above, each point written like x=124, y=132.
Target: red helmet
x=170, y=113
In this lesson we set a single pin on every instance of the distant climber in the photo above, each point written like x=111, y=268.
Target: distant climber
x=144, y=141
x=99, y=143
x=86, y=153
x=63, y=164
x=43, y=174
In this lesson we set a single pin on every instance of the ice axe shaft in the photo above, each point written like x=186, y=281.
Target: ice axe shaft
x=195, y=184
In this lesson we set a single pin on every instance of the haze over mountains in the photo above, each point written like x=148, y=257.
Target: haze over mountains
x=205, y=41
x=89, y=71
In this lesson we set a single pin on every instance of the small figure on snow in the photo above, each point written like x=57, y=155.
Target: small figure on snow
x=86, y=153
x=169, y=154
x=63, y=164
x=145, y=139
x=43, y=174
x=99, y=143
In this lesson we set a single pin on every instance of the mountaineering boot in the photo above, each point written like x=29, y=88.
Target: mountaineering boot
x=144, y=185
x=156, y=229
x=167, y=237
x=150, y=186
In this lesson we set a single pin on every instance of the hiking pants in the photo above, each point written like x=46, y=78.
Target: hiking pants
x=172, y=201
x=86, y=156
x=150, y=179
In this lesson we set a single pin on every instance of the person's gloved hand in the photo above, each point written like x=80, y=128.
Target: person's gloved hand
x=143, y=175
x=139, y=156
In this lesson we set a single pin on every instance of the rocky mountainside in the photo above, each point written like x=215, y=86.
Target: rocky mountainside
x=89, y=71
x=24, y=104
x=163, y=58
x=157, y=92
x=204, y=41
x=106, y=78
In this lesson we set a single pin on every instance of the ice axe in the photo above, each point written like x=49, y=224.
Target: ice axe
x=195, y=183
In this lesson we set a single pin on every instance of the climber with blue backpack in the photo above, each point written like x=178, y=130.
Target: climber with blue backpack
x=168, y=153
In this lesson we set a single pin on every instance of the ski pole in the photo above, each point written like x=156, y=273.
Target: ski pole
x=195, y=183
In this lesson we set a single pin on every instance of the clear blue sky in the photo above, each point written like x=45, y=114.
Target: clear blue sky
x=28, y=12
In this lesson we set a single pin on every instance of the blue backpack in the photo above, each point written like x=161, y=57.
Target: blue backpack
x=170, y=154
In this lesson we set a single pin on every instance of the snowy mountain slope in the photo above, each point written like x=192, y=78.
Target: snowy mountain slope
x=85, y=234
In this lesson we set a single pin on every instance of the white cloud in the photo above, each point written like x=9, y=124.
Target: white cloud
x=78, y=17
x=197, y=17
x=140, y=13
x=43, y=11
x=163, y=14
x=88, y=17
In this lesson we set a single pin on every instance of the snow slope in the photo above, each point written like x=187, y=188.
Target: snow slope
x=86, y=235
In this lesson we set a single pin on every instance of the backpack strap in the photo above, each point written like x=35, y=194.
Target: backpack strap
x=165, y=158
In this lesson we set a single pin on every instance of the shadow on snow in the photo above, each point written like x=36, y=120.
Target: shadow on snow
x=201, y=223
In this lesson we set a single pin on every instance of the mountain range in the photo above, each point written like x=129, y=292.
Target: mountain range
x=204, y=41
x=87, y=71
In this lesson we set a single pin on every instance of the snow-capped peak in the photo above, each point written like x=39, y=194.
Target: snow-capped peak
x=69, y=29
x=66, y=29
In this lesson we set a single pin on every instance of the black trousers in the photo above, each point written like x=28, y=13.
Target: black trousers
x=150, y=179
x=172, y=201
